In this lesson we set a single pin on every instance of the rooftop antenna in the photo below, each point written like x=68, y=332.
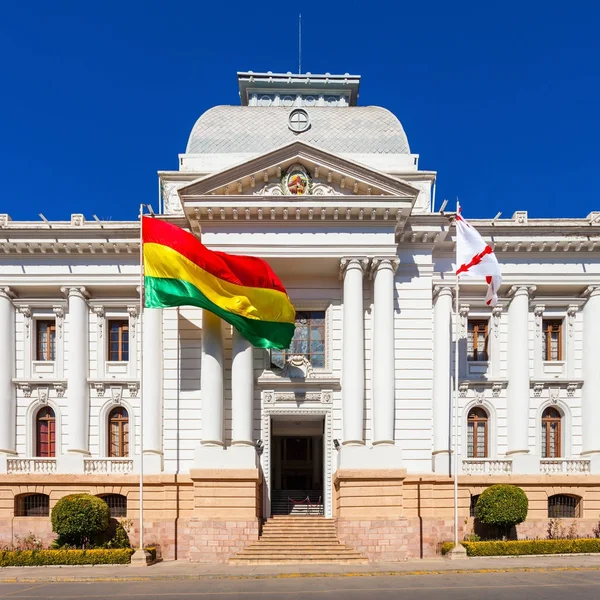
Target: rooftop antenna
x=300, y=44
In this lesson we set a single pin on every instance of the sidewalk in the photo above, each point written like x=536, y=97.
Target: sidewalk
x=186, y=570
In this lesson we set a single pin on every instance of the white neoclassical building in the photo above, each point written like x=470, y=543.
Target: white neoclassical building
x=354, y=419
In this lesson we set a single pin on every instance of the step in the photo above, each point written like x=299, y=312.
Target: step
x=292, y=555
x=297, y=561
x=299, y=543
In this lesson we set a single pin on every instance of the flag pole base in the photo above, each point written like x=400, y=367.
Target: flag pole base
x=141, y=558
x=459, y=552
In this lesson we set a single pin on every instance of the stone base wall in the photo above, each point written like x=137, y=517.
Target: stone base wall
x=383, y=540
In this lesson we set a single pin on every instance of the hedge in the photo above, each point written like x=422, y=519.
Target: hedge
x=35, y=558
x=524, y=547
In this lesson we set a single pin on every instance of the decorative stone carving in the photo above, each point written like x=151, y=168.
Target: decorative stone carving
x=99, y=312
x=496, y=314
x=133, y=389
x=77, y=220
x=538, y=312
x=463, y=388
x=60, y=317
x=268, y=397
x=59, y=388
x=42, y=394
x=6, y=292
x=298, y=367
x=170, y=197
x=520, y=217
x=571, y=314
x=116, y=394
x=537, y=390
x=479, y=396
x=100, y=389
x=327, y=396
x=4, y=220
x=346, y=262
x=323, y=189
x=271, y=189
x=382, y=263
x=26, y=389
x=26, y=312
x=496, y=388
x=554, y=395
x=571, y=390
x=463, y=311
x=133, y=319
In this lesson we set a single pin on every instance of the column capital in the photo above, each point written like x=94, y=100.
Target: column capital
x=592, y=290
x=346, y=264
x=78, y=291
x=538, y=310
x=443, y=290
x=383, y=263
x=7, y=293
x=520, y=290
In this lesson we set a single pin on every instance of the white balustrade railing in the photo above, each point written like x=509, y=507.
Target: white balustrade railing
x=551, y=466
x=31, y=465
x=107, y=466
x=486, y=466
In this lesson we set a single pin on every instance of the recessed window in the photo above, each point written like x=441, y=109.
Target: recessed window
x=308, y=340
x=118, y=341
x=118, y=433
x=473, y=505
x=45, y=335
x=552, y=339
x=563, y=506
x=117, y=504
x=477, y=433
x=45, y=432
x=477, y=340
x=32, y=505
x=551, y=433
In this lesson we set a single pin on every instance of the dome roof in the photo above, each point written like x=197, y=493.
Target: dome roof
x=256, y=129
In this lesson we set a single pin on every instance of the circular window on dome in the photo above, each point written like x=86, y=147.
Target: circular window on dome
x=298, y=121
x=265, y=101
x=287, y=101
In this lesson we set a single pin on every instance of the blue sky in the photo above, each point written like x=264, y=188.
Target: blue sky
x=500, y=98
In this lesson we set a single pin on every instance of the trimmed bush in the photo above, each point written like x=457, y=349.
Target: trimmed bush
x=35, y=558
x=525, y=547
x=502, y=506
x=78, y=519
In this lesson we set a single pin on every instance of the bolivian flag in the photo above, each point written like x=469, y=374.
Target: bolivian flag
x=243, y=290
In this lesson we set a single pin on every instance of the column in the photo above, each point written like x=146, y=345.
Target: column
x=78, y=415
x=590, y=407
x=242, y=390
x=151, y=392
x=8, y=402
x=353, y=352
x=517, y=418
x=442, y=376
x=383, y=351
x=211, y=380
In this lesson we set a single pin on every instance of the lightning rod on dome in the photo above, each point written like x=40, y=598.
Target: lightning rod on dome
x=299, y=43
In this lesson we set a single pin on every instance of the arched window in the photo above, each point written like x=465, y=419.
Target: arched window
x=117, y=504
x=45, y=433
x=563, y=506
x=551, y=434
x=118, y=432
x=477, y=433
x=32, y=505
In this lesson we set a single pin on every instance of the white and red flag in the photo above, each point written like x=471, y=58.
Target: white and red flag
x=475, y=258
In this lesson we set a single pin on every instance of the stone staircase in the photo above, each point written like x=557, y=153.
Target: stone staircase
x=294, y=539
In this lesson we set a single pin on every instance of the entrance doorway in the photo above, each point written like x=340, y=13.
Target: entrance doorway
x=297, y=466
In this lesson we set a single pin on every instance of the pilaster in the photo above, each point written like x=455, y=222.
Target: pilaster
x=590, y=407
x=8, y=406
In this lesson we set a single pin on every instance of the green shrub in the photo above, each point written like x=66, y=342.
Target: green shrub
x=502, y=506
x=525, y=547
x=34, y=558
x=78, y=519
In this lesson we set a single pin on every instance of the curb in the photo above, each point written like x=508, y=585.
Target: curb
x=258, y=576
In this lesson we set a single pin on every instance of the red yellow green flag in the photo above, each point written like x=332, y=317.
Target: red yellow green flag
x=243, y=290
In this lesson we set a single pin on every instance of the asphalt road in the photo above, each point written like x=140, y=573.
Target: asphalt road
x=550, y=585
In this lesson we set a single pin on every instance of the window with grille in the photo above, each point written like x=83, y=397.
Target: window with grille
x=473, y=505
x=118, y=340
x=477, y=433
x=118, y=432
x=551, y=433
x=32, y=505
x=117, y=504
x=308, y=340
x=45, y=339
x=477, y=340
x=45, y=429
x=552, y=339
x=562, y=506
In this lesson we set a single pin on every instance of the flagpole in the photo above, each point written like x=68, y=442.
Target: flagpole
x=141, y=371
x=455, y=400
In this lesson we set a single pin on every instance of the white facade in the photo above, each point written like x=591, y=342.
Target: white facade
x=365, y=248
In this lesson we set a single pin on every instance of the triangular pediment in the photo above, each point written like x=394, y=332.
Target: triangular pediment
x=298, y=170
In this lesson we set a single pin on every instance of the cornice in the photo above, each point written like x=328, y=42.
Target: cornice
x=74, y=247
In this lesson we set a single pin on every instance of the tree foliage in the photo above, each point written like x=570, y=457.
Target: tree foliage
x=502, y=506
x=78, y=519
